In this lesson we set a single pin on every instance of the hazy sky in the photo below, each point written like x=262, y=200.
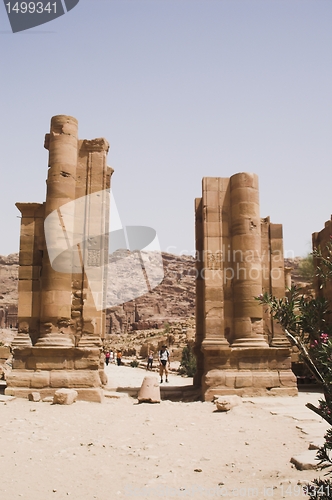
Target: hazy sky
x=182, y=89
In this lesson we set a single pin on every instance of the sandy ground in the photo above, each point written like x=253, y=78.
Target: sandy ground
x=122, y=449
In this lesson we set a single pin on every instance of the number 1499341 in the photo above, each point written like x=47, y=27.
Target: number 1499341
x=31, y=7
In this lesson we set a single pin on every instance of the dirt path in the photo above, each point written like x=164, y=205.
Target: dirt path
x=121, y=449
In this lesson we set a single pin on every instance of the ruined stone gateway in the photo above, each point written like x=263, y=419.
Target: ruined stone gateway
x=62, y=271
x=239, y=349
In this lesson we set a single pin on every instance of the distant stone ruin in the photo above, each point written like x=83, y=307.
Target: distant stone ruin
x=239, y=349
x=62, y=281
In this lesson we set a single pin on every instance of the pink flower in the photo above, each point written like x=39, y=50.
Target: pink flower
x=324, y=337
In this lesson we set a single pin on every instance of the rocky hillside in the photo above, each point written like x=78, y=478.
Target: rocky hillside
x=171, y=301
x=8, y=279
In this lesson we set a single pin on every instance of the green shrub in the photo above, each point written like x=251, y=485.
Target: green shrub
x=307, y=268
x=134, y=363
x=188, y=362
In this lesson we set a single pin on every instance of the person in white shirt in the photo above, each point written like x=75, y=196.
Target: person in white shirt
x=164, y=363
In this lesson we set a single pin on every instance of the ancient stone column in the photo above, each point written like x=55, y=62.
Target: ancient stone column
x=239, y=257
x=94, y=182
x=199, y=299
x=277, y=273
x=63, y=271
x=246, y=249
x=288, y=277
x=30, y=262
x=214, y=192
x=56, y=328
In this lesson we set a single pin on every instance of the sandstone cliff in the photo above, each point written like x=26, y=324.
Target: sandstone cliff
x=171, y=301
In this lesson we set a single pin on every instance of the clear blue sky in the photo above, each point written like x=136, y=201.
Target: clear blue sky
x=182, y=89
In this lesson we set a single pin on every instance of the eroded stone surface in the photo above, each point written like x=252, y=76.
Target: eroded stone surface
x=239, y=348
x=34, y=396
x=62, y=272
x=226, y=403
x=149, y=391
x=65, y=397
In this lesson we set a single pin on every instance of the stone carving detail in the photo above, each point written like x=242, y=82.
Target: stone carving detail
x=94, y=258
x=214, y=261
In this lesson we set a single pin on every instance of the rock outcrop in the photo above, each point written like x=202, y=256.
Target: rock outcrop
x=171, y=301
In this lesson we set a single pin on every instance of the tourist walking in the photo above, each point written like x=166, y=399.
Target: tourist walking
x=150, y=361
x=107, y=357
x=118, y=358
x=164, y=363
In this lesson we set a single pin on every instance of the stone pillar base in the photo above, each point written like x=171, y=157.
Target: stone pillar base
x=95, y=395
x=248, y=372
x=46, y=369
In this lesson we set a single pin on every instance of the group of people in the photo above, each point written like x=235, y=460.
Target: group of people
x=163, y=358
x=111, y=357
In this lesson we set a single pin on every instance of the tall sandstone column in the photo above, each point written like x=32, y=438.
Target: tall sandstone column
x=238, y=258
x=63, y=271
x=246, y=251
x=55, y=314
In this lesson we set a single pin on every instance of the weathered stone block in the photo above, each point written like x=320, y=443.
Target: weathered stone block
x=19, y=378
x=226, y=403
x=34, y=396
x=95, y=395
x=149, y=391
x=215, y=378
x=252, y=363
x=87, y=363
x=266, y=380
x=230, y=379
x=49, y=363
x=243, y=379
x=19, y=364
x=83, y=378
x=59, y=378
x=287, y=379
x=40, y=379
x=280, y=363
x=65, y=397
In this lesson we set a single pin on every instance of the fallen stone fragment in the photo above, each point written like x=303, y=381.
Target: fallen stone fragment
x=306, y=460
x=65, y=396
x=34, y=396
x=316, y=443
x=226, y=403
x=149, y=391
